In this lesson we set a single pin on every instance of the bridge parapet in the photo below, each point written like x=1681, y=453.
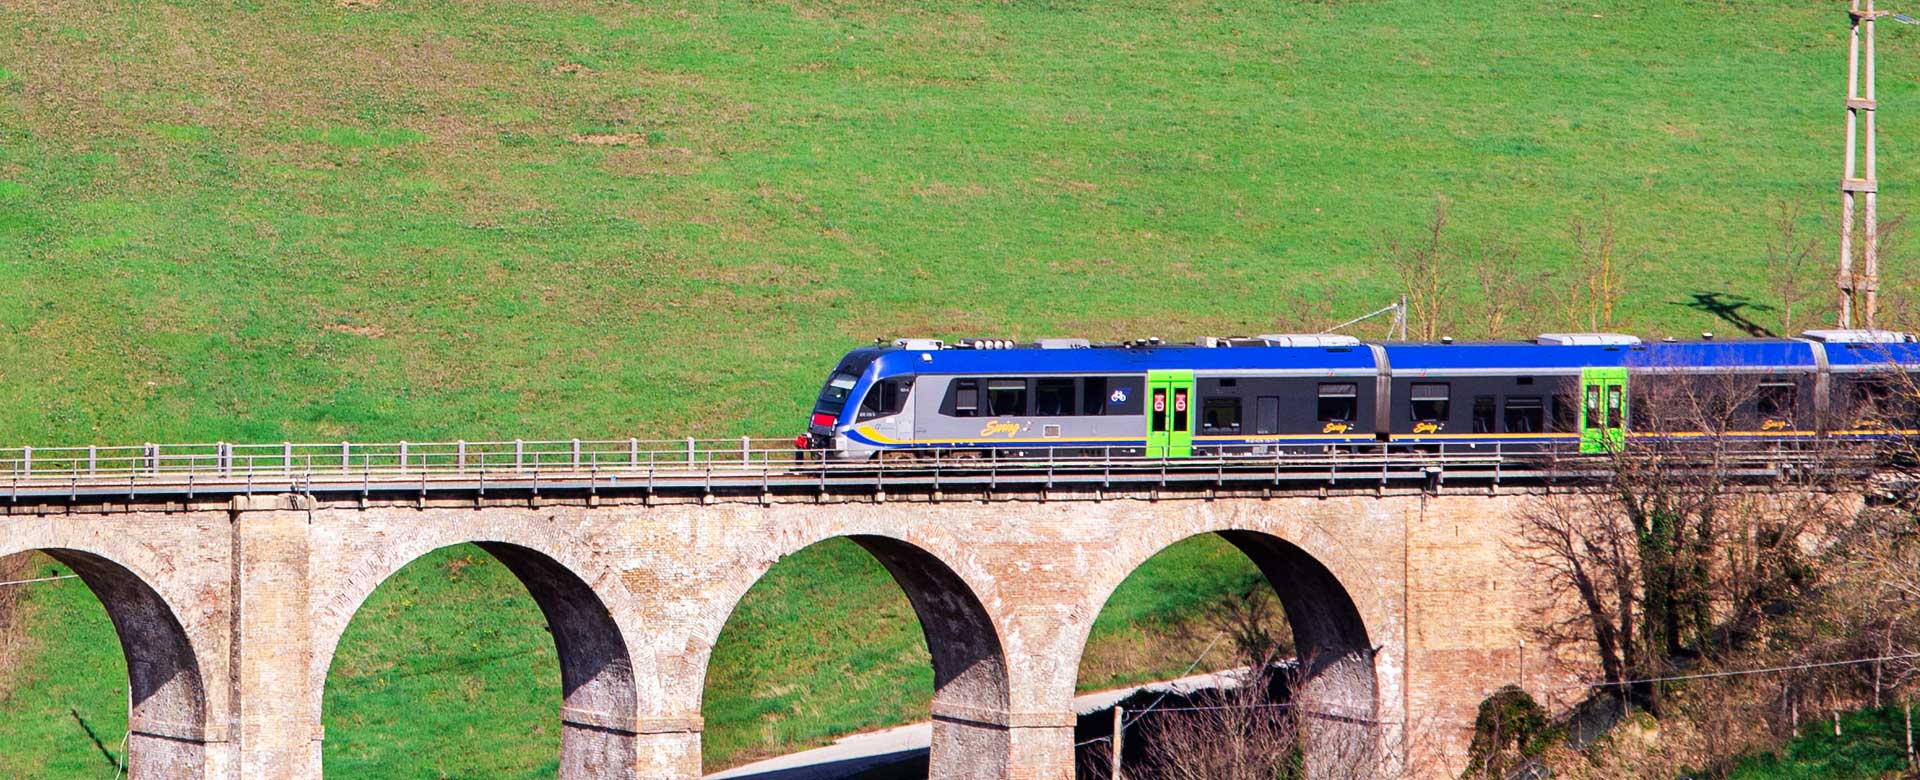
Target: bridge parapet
x=769, y=471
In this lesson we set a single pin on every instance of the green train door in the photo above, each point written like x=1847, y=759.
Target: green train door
x=1603, y=409
x=1169, y=414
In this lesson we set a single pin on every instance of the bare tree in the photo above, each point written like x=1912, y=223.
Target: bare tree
x=1670, y=556
x=1503, y=288
x=1791, y=266
x=1601, y=268
x=1423, y=269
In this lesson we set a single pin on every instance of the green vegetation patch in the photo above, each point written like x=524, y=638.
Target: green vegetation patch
x=1871, y=745
x=447, y=670
x=65, y=715
x=361, y=137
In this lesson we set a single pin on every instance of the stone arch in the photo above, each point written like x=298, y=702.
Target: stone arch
x=599, y=698
x=971, y=689
x=167, y=702
x=1339, y=687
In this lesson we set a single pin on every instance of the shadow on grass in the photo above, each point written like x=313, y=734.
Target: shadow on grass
x=112, y=762
x=1731, y=309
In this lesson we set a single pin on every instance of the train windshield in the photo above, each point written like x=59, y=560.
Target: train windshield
x=834, y=395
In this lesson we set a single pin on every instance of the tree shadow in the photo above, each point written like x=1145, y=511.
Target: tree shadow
x=1731, y=309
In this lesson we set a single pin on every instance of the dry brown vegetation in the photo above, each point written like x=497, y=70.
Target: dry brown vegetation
x=13, y=640
x=1670, y=565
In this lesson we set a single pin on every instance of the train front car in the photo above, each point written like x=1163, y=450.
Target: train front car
x=868, y=389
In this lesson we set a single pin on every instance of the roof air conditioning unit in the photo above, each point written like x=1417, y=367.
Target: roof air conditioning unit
x=1308, y=340
x=1587, y=339
x=1857, y=336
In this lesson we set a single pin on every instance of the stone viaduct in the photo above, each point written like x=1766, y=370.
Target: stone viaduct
x=1407, y=608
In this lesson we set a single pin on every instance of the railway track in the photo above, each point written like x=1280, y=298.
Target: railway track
x=751, y=467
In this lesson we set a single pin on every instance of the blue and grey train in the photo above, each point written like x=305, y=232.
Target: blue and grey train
x=1567, y=392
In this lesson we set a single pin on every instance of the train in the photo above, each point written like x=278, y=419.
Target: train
x=1558, y=392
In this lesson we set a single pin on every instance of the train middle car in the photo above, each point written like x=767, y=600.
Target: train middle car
x=1282, y=393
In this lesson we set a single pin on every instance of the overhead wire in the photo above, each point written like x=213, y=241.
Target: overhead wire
x=39, y=579
x=1746, y=672
x=1163, y=694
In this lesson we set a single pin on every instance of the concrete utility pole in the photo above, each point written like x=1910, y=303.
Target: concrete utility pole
x=1859, y=293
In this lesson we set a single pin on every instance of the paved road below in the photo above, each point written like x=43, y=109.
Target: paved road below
x=875, y=750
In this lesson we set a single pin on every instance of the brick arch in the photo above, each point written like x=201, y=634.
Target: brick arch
x=599, y=695
x=167, y=713
x=971, y=687
x=1339, y=684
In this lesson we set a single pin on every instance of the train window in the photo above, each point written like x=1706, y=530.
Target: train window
x=1093, y=395
x=1338, y=402
x=1525, y=414
x=1566, y=417
x=1053, y=398
x=1220, y=415
x=1483, y=414
x=1775, y=400
x=1870, y=396
x=1007, y=397
x=1430, y=402
x=885, y=398
x=1124, y=394
x=1616, y=416
x=964, y=399
x=1266, y=417
x=1181, y=412
x=838, y=386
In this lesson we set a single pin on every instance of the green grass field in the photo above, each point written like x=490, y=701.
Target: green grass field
x=387, y=219
x=428, y=220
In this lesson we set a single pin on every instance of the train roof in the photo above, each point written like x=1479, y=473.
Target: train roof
x=1550, y=353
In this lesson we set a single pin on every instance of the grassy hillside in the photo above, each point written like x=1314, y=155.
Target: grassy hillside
x=426, y=219
x=432, y=219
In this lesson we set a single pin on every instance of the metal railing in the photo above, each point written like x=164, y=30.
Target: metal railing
x=766, y=464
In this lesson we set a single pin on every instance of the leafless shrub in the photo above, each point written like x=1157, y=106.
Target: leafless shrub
x=1598, y=262
x=1504, y=288
x=1247, y=732
x=1668, y=557
x=1792, y=268
x=1424, y=271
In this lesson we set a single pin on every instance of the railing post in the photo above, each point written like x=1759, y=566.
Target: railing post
x=746, y=452
x=286, y=456
x=93, y=458
x=633, y=452
x=403, y=456
x=152, y=452
x=26, y=460
x=346, y=457
x=460, y=454
x=690, y=455
x=519, y=455
x=576, y=454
